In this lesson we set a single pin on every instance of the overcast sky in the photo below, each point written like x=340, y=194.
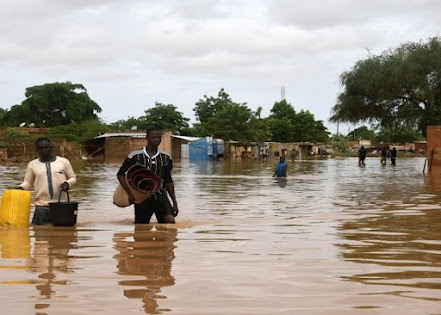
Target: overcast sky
x=130, y=54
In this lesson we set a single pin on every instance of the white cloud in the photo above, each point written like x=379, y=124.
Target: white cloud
x=137, y=52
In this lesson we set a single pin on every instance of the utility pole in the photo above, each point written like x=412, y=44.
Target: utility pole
x=282, y=92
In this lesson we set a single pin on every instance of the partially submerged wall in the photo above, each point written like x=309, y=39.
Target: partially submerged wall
x=434, y=146
x=117, y=148
x=24, y=149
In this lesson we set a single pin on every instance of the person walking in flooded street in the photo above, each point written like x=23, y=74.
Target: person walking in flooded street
x=281, y=168
x=361, y=156
x=393, y=156
x=383, y=156
x=161, y=164
x=49, y=175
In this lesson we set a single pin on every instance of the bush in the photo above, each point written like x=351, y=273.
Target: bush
x=14, y=134
x=68, y=137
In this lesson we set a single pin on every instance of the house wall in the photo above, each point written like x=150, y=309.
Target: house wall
x=117, y=148
x=24, y=149
x=420, y=147
x=434, y=146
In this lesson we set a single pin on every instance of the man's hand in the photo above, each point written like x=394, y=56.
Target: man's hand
x=131, y=199
x=64, y=186
x=175, y=210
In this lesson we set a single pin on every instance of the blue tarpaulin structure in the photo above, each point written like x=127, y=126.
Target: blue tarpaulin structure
x=205, y=149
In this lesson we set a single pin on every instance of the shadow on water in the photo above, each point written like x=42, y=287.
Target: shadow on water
x=51, y=259
x=147, y=253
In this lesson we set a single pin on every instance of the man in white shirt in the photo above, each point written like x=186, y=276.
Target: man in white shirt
x=49, y=175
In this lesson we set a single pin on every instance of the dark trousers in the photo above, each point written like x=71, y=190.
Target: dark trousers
x=160, y=207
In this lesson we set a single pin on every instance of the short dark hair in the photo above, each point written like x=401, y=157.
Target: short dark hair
x=42, y=139
x=153, y=128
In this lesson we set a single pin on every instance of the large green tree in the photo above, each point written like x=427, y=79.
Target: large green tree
x=400, y=87
x=362, y=133
x=167, y=117
x=399, y=135
x=289, y=126
x=222, y=118
x=53, y=104
x=208, y=106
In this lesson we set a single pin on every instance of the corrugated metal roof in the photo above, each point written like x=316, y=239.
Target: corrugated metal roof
x=122, y=134
x=186, y=138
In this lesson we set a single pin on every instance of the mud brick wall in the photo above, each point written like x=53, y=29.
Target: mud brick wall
x=3, y=154
x=117, y=148
x=434, y=146
x=24, y=149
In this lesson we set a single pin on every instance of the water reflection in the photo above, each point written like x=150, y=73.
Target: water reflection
x=148, y=252
x=50, y=259
x=15, y=242
x=433, y=181
x=401, y=241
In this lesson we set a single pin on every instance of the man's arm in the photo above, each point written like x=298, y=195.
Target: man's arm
x=170, y=187
x=71, y=178
x=29, y=179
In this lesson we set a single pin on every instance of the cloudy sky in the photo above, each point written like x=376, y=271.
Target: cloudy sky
x=130, y=54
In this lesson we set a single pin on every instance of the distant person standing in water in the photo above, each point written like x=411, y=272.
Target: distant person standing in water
x=383, y=155
x=361, y=156
x=281, y=168
x=393, y=156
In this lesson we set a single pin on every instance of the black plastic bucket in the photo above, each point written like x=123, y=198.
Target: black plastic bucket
x=63, y=213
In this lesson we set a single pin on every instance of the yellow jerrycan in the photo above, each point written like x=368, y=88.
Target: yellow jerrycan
x=15, y=208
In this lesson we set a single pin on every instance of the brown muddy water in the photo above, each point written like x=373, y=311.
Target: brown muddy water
x=335, y=238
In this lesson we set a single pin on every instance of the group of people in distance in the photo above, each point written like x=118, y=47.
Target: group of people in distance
x=362, y=156
x=51, y=175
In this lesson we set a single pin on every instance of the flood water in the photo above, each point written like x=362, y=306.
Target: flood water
x=335, y=238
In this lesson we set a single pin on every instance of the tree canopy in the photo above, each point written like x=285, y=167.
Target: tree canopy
x=52, y=104
x=166, y=117
x=288, y=126
x=400, y=87
x=222, y=118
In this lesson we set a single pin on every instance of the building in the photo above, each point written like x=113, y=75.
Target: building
x=434, y=147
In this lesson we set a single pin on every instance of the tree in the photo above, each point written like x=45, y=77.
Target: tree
x=399, y=135
x=167, y=117
x=307, y=129
x=400, y=87
x=81, y=131
x=362, y=133
x=53, y=104
x=289, y=126
x=283, y=110
x=222, y=118
x=209, y=106
x=128, y=123
x=339, y=144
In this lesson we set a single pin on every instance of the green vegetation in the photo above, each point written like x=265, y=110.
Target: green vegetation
x=14, y=134
x=400, y=88
x=51, y=105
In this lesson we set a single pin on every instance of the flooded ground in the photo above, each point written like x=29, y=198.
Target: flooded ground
x=335, y=238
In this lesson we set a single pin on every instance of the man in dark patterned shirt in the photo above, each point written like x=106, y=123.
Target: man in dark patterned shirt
x=161, y=164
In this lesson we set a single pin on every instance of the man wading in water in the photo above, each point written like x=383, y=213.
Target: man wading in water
x=49, y=175
x=161, y=164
